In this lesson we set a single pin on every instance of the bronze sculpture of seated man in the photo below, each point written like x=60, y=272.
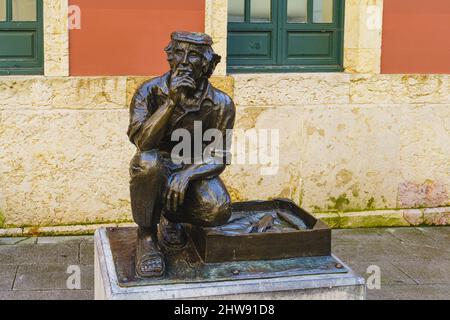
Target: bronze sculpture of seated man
x=169, y=192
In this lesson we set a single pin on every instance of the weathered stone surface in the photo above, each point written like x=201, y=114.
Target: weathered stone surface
x=216, y=18
x=441, y=234
x=390, y=275
x=413, y=216
x=424, y=236
x=7, y=274
x=65, y=239
x=50, y=276
x=352, y=24
x=361, y=252
x=220, y=47
x=47, y=295
x=57, y=233
x=348, y=142
x=410, y=292
x=55, y=16
x=64, y=254
x=363, y=24
x=56, y=34
x=435, y=271
x=291, y=89
x=350, y=160
x=62, y=93
x=394, y=218
x=399, y=89
x=395, y=283
x=87, y=253
x=362, y=60
x=373, y=219
x=263, y=179
x=362, y=36
x=437, y=216
x=11, y=232
x=27, y=241
x=216, y=21
x=56, y=55
x=65, y=230
x=425, y=156
x=11, y=241
x=63, y=167
x=431, y=194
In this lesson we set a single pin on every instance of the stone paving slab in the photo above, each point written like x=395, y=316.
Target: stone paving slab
x=410, y=292
x=30, y=240
x=10, y=241
x=411, y=235
x=422, y=246
x=45, y=277
x=361, y=232
x=367, y=249
x=414, y=263
x=433, y=271
x=87, y=253
x=48, y=295
x=390, y=274
x=441, y=234
x=7, y=275
x=442, y=231
x=425, y=252
x=65, y=239
x=426, y=238
x=39, y=254
x=399, y=244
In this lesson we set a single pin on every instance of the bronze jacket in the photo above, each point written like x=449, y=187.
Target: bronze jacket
x=214, y=110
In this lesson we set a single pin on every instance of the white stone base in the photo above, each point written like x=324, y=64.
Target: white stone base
x=348, y=286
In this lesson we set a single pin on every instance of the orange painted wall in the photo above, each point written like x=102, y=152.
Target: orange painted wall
x=416, y=36
x=127, y=37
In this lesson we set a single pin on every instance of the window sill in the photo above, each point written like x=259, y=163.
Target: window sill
x=21, y=71
x=284, y=69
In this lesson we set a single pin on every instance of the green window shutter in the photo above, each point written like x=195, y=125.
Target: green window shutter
x=311, y=43
x=253, y=42
x=21, y=38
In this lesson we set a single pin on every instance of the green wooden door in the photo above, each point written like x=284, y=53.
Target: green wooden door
x=302, y=35
x=21, y=37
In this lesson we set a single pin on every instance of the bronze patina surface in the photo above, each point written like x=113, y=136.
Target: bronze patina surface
x=293, y=232
x=173, y=192
x=168, y=190
x=185, y=266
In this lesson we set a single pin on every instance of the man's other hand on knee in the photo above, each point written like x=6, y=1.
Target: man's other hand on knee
x=176, y=191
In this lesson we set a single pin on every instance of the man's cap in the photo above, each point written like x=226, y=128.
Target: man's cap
x=192, y=37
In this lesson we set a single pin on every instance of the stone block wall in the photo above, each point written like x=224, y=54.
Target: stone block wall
x=356, y=150
x=64, y=150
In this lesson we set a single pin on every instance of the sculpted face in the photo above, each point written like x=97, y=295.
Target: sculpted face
x=189, y=59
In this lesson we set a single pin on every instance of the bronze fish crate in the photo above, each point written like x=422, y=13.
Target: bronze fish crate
x=293, y=233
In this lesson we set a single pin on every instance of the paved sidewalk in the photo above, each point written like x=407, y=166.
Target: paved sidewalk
x=414, y=263
x=36, y=268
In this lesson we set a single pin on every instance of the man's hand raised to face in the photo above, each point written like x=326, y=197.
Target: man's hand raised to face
x=178, y=184
x=180, y=83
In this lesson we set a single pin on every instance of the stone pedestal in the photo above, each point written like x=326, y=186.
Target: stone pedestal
x=312, y=283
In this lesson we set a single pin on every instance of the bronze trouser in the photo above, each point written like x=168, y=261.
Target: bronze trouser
x=207, y=202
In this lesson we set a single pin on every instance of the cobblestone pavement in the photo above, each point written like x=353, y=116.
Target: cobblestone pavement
x=414, y=263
